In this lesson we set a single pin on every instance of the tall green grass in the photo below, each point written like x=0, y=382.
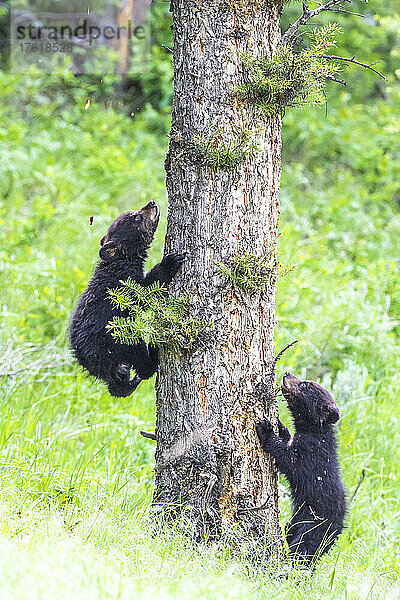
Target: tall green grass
x=75, y=475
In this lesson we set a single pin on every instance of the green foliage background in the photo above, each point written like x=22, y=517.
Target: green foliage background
x=75, y=476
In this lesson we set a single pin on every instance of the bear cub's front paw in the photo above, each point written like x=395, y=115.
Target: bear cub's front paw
x=264, y=429
x=172, y=263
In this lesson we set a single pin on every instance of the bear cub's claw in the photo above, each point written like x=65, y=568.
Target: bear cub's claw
x=264, y=429
x=122, y=389
x=172, y=262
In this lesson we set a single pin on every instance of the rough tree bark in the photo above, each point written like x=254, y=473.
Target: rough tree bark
x=208, y=461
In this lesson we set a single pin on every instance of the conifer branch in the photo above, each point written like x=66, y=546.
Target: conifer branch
x=331, y=78
x=252, y=273
x=292, y=79
x=148, y=435
x=332, y=5
x=277, y=358
x=153, y=317
x=347, y=12
x=280, y=354
x=352, y=60
x=221, y=154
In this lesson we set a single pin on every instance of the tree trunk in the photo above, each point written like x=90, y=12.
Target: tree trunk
x=208, y=460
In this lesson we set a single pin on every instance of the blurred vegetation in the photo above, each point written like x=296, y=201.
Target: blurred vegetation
x=76, y=477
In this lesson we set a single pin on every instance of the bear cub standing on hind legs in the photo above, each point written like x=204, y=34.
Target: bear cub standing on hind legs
x=309, y=461
x=122, y=254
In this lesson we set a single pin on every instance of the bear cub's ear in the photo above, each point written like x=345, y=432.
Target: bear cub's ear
x=108, y=251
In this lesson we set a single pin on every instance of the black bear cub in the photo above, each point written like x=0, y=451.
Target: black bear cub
x=122, y=254
x=309, y=461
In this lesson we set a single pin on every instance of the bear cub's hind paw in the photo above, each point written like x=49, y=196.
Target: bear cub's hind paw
x=122, y=389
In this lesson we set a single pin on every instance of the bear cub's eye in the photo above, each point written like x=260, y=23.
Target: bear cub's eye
x=303, y=385
x=138, y=217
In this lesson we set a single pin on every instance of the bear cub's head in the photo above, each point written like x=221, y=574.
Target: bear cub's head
x=130, y=234
x=308, y=401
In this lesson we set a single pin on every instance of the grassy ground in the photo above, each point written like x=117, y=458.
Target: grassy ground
x=75, y=476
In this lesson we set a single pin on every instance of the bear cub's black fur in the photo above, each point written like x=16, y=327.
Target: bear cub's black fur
x=122, y=255
x=309, y=461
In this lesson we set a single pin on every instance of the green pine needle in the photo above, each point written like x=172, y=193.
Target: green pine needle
x=153, y=316
x=252, y=273
x=221, y=154
x=291, y=79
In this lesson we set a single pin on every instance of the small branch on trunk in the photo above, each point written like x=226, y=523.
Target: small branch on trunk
x=167, y=48
x=348, y=12
x=279, y=356
x=356, y=62
x=341, y=81
x=148, y=435
x=264, y=388
x=307, y=15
